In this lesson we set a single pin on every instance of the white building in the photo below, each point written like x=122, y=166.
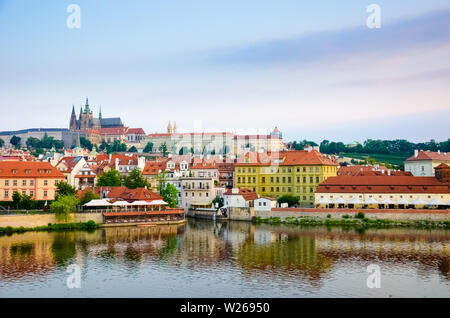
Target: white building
x=422, y=163
x=265, y=204
x=239, y=198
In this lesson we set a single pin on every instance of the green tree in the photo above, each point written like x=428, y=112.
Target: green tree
x=63, y=188
x=149, y=147
x=110, y=179
x=136, y=180
x=219, y=201
x=170, y=194
x=290, y=199
x=32, y=143
x=85, y=143
x=16, y=199
x=63, y=206
x=163, y=149
x=2, y=142
x=15, y=141
x=88, y=197
x=132, y=149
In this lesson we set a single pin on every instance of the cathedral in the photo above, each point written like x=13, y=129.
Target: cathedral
x=86, y=120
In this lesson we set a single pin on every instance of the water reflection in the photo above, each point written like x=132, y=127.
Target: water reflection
x=252, y=256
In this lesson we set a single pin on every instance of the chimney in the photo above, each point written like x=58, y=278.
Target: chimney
x=416, y=153
x=110, y=157
x=439, y=152
x=389, y=172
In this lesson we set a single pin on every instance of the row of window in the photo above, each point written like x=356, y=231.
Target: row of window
x=24, y=183
x=289, y=189
x=24, y=192
x=278, y=179
x=199, y=194
x=286, y=170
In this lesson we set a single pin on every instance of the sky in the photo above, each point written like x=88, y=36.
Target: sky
x=312, y=68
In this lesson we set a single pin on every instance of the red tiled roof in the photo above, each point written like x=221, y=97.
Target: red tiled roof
x=361, y=170
x=430, y=155
x=26, y=169
x=382, y=184
x=136, y=131
x=286, y=158
x=155, y=166
x=247, y=194
x=113, y=131
x=443, y=166
x=123, y=193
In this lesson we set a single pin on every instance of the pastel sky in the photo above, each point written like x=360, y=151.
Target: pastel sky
x=312, y=68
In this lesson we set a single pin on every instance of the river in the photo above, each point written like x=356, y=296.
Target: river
x=234, y=259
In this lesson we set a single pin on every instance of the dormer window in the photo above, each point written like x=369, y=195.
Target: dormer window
x=14, y=171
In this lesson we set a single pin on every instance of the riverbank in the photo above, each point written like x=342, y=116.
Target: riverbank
x=87, y=226
x=359, y=221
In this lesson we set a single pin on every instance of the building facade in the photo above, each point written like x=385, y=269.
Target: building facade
x=298, y=173
x=36, y=179
x=422, y=163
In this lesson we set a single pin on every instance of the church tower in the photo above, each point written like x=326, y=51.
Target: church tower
x=73, y=119
x=169, y=128
x=175, y=128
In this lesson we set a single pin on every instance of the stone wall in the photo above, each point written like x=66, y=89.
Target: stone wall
x=241, y=214
x=433, y=215
x=44, y=219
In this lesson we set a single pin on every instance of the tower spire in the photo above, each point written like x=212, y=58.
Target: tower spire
x=86, y=107
x=100, y=113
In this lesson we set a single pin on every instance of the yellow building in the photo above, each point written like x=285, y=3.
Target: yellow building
x=36, y=179
x=288, y=172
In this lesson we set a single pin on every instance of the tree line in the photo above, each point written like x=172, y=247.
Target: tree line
x=400, y=147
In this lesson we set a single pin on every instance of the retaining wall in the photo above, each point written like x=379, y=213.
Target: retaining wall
x=387, y=214
x=44, y=219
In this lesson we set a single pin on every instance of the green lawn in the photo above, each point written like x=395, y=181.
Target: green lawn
x=392, y=159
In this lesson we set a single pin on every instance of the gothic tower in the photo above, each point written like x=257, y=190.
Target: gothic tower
x=73, y=119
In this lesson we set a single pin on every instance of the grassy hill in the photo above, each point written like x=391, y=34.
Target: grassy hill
x=380, y=158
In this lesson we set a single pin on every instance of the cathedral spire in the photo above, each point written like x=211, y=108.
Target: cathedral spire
x=86, y=107
x=100, y=113
x=169, y=128
x=73, y=119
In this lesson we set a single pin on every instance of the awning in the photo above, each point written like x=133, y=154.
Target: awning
x=419, y=201
x=324, y=201
x=121, y=203
x=340, y=200
x=355, y=201
x=371, y=200
x=140, y=203
x=158, y=202
x=402, y=201
x=435, y=202
x=387, y=201
x=102, y=202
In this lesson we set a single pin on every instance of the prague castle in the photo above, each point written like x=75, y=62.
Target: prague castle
x=86, y=120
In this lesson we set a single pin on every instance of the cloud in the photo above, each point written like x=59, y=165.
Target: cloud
x=425, y=31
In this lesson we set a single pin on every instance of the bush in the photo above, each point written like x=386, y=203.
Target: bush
x=329, y=216
x=360, y=215
x=346, y=216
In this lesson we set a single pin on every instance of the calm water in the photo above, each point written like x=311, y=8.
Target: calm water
x=235, y=259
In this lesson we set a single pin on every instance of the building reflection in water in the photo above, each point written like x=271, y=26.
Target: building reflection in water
x=283, y=251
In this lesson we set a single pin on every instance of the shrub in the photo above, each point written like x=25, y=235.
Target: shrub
x=329, y=216
x=359, y=215
x=346, y=216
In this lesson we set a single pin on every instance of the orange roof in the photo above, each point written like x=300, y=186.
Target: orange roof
x=247, y=194
x=430, y=155
x=382, y=184
x=361, y=170
x=443, y=166
x=114, y=131
x=123, y=193
x=155, y=166
x=286, y=158
x=137, y=131
x=27, y=169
